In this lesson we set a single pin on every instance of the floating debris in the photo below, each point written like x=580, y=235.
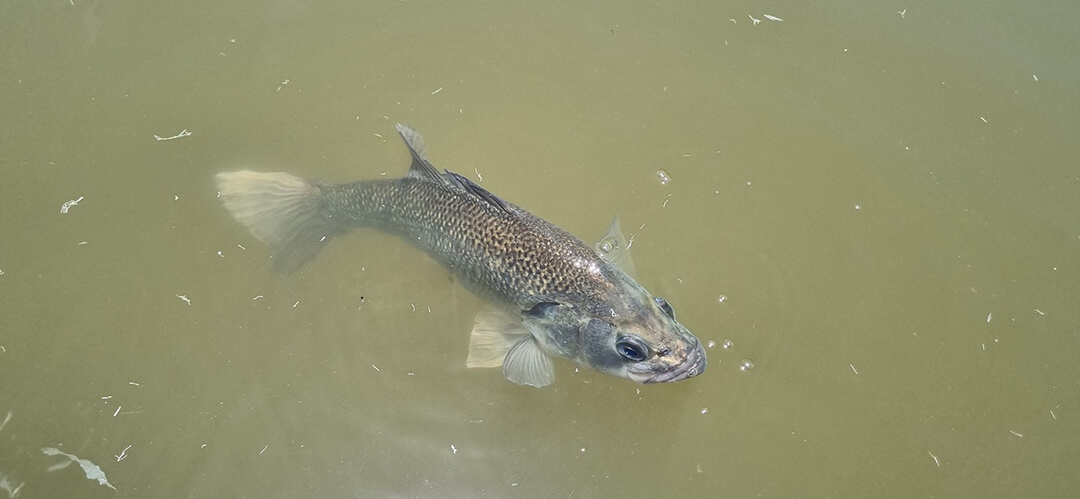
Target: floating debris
x=662, y=174
x=92, y=470
x=67, y=206
x=9, y=486
x=183, y=133
x=938, y=463
x=773, y=18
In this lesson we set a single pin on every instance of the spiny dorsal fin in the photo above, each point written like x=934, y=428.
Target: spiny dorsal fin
x=615, y=248
x=478, y=191
x=421, y=168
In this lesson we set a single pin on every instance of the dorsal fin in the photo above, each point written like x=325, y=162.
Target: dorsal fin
x=615, y=248
x=421, y=168
x=478, y=191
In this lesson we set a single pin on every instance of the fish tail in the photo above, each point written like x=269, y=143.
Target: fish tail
x=285, y=212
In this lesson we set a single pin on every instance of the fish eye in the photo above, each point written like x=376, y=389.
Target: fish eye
x=632, y=348
x=665, y=306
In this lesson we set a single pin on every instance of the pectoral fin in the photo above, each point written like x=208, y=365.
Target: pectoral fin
x=614, y=248
x=494, y=333
x=527, y=364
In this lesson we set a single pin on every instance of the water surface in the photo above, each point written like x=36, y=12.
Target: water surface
x=876, y=205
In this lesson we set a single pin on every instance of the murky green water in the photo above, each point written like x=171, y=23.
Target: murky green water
x=886, y=196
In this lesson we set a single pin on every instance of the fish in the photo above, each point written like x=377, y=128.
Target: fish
x=550, y=294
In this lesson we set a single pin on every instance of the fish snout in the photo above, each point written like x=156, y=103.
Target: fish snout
x=692, y=365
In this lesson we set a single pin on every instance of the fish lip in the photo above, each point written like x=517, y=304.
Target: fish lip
x=694, y=365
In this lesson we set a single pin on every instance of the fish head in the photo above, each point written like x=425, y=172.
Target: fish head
x=629, y=335
x=643, y=342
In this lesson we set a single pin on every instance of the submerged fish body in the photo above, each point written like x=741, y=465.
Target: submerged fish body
x=552, y=295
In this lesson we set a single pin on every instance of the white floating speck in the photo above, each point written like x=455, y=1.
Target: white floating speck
x=257, y=297
x=132, y=383
x=1036, y=77
x=376, y=368
x=773, y=18
x=1040, y=312
x=264, y=449
x=938, y=463
x=184, y=298
x=989, y=316
x=453, y=449
x=117, y=410
x=902, y=12
x=122, y=455
x=983, y=119
x=704, y=410
x=853, y=368
x=1015, y=433
x=1051, y=414
x=67, y=205
x=437, y=90
x=183, y=133
x=756, y=21
x=295, y=304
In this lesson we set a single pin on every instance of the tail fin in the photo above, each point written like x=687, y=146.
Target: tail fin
x=281, y=210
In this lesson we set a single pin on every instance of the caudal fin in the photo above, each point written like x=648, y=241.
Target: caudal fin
x=281, y=210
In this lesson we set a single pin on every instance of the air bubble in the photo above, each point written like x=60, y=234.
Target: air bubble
x=722, y=298
x=727, y=344
x=712, y=344
x=662, y=174
x=746, y=365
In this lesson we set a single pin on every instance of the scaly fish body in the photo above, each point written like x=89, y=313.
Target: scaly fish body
x=554, y=294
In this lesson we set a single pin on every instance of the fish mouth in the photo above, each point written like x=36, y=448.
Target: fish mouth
x=694, y=365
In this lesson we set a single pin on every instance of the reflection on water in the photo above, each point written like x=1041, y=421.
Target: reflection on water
x=839, y=201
